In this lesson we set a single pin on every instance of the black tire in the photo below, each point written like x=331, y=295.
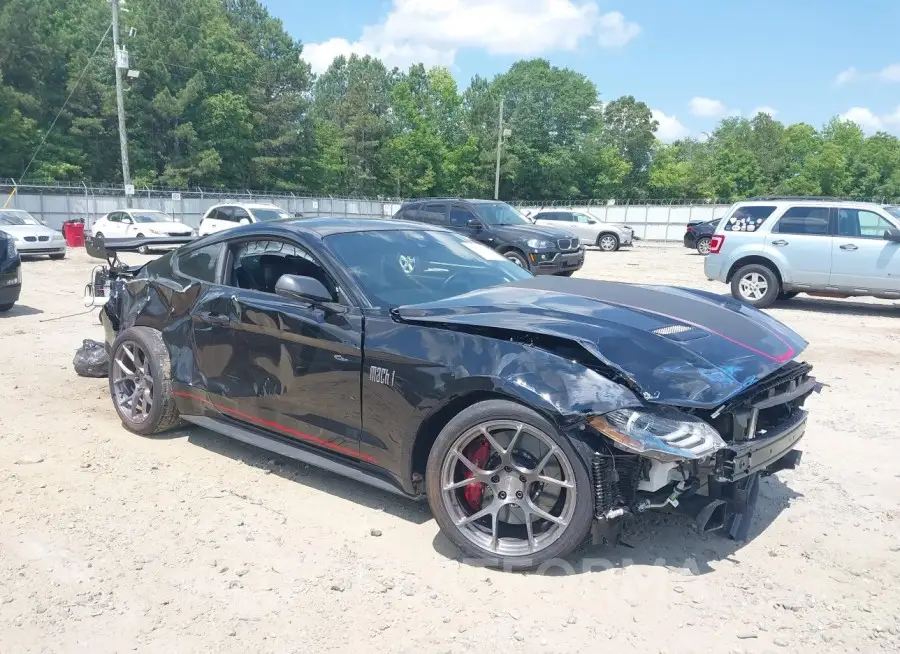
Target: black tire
x=517, y=258
x=58, y=257
x=703, y=245
x=608, y=242
x=6, y=307
x=756, y=271
x=143, y=249
x=578, y=528
x=568, y=273
x=163, y=414
x=788, y=295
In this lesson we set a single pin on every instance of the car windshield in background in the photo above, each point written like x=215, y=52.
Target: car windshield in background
x=397, y=268
x=268, y=215
x=151, y=217
x=499, y=213
x=894, y=211
x=17, y=218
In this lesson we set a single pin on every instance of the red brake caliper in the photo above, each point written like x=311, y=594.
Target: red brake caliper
x=477, y=452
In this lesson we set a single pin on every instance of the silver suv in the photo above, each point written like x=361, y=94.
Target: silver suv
x=774, y=248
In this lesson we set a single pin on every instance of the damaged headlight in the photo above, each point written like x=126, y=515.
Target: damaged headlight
x=660, y=433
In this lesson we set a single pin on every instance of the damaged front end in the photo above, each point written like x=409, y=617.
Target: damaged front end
x=702, y=463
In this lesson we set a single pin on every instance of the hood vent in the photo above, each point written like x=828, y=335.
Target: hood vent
x=680, y=332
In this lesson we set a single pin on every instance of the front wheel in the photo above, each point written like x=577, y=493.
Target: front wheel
x=6, y=307
x=140, y=382
x=608, y=242
x=756, y=284
x=507, y=488
x=703, y=245
x=517, y=258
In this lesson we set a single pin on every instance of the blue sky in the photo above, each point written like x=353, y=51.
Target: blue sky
x=692, y=61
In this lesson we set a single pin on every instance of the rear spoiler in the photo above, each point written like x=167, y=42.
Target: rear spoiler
x=107, y=248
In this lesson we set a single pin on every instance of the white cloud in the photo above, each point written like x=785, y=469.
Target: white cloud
x=846, y=76
x=709, y=108
x=889, y=74
x=870, y=122
x=670, y=128
x=433, y=32
x=765, y=109
x=615, y=31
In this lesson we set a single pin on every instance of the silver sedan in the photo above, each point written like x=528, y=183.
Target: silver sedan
x=30, y=235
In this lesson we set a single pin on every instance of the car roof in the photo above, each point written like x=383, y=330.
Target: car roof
x=808, y=202
x=470, y=200
x=328, y=225
x=247, y=205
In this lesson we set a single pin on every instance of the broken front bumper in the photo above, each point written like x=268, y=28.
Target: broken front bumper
x=740, y=460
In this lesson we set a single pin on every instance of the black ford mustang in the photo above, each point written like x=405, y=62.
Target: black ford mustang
x=526, y=409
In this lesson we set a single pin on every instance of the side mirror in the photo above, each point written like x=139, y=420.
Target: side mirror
x=591, y=221
x=245, y=221
x=892, y=234
x=127, y=221
x=305, y=289
x=474, y=224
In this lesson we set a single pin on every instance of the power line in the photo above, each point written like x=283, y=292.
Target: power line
x=71, y=93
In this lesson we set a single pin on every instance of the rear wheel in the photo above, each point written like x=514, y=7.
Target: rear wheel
x=703, y=245
x=756, y=285
x=140, y=382
x=506, y=488
x=608, y=242
x=143, y=249
x=6, y=307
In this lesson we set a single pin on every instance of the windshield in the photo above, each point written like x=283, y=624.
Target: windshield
x=17, y=218
x=268, y=215
x=499, y=213
x=894, y=211
x=397, y=268
x=151, y=217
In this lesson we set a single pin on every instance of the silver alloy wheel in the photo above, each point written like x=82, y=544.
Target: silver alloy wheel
x=143, y=249
x=753, y=286
x=132, y=382
x=515, y=259
x=703, y=246
x=527, y=491
x=608, y=243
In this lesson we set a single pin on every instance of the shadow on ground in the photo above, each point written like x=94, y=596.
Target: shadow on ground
x=652, y=539
x=20, y=310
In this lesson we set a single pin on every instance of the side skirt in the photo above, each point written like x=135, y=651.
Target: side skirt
x=298, y=452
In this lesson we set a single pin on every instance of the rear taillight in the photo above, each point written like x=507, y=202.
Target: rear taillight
x=716, y=243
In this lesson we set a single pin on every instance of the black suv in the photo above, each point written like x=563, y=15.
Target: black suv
x=541, y=250
x=10, y=272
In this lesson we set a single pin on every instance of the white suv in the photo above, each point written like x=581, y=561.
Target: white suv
x=774, y=248
x=225, y=216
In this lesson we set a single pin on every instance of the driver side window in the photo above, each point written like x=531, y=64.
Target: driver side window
x=258, y=265
x=582, y=218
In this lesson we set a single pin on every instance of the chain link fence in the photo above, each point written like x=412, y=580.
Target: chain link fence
x=658, y=221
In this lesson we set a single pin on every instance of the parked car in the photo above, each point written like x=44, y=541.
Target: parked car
x=539, y=249
x=226, y=216
x=698, y=234
x=31, y=236
x=140, y=223
x=609, y=237
x=416, y=360
x=10, y=272
x=775, y=248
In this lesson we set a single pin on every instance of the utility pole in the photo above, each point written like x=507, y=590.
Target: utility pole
x=120, y=101
x=499, y=147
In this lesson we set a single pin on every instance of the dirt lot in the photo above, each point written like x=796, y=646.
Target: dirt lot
x=110, y=542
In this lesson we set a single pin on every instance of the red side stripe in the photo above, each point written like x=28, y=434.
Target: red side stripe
x=274, y=425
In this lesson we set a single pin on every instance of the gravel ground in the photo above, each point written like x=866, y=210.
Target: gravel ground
x=190, y=542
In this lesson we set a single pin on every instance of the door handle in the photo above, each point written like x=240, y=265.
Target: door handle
x=779, y=243
x=849, y=246
x=213, y=317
